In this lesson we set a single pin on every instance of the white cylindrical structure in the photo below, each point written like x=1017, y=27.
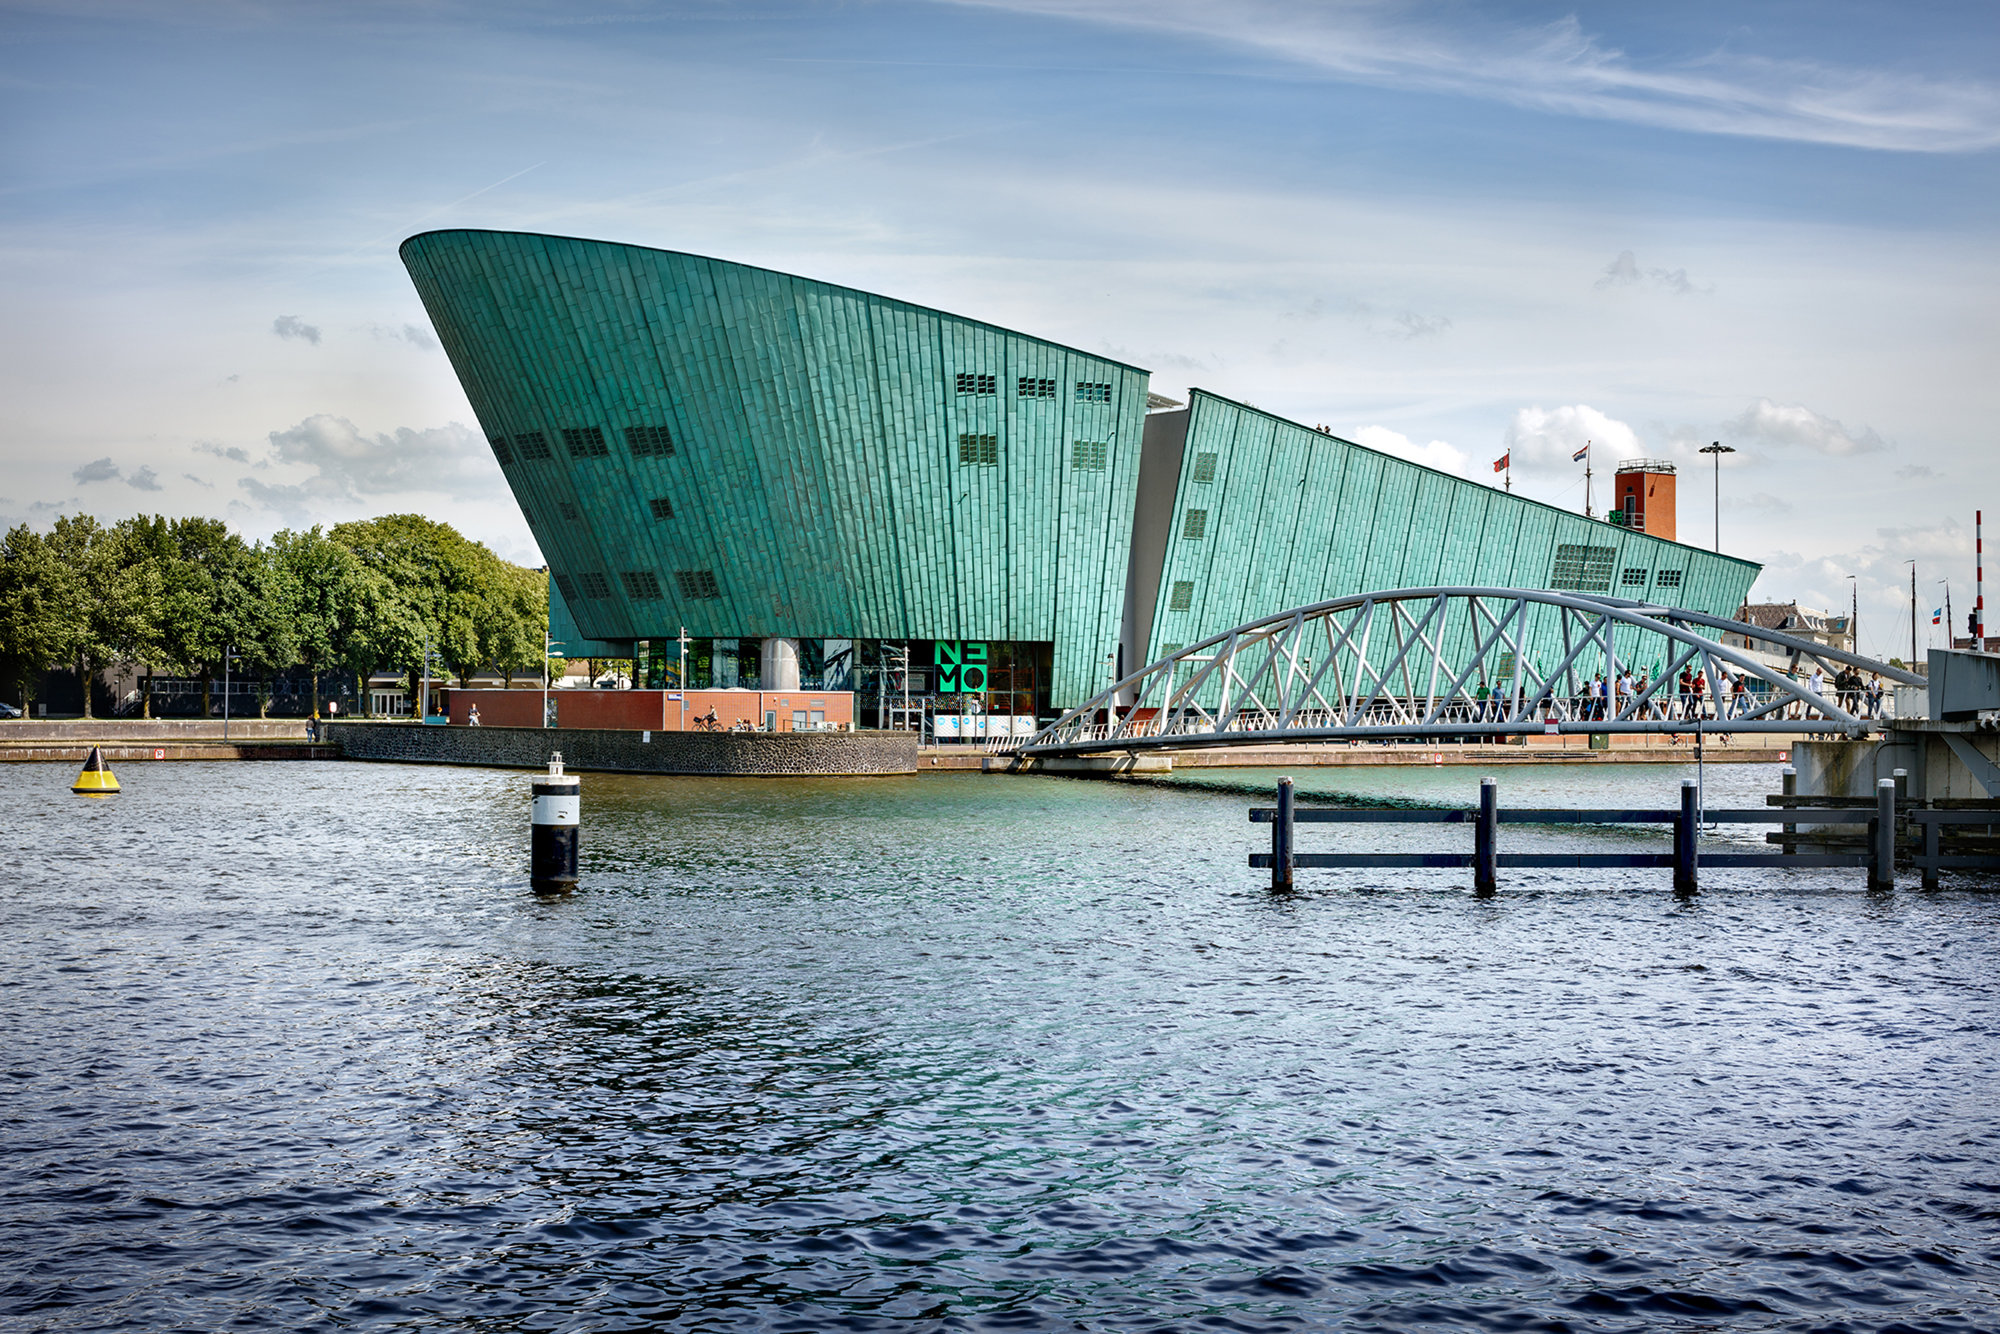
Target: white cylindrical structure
x=778, y=665
x=557, y=817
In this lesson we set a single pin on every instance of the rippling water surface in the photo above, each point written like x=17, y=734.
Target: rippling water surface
x=290, y=1046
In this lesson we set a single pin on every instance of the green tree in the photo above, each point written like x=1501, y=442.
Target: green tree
x=515, y=621
x=41, y=622
x=327, y=598
x=218, y=594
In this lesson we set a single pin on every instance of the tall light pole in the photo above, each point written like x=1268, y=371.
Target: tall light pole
x=1718, y=449
x=1853, y=613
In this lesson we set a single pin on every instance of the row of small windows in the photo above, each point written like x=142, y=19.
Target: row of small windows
x=640, y=585
x=980, y=450
x=1583, y=569
x=662, y=508
x=582, y=442
x=1636, y=578
x=1029, y=386
x=983, y=451
x=1089, y=455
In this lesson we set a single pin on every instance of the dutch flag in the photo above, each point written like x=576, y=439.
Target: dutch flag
x=1578, y=456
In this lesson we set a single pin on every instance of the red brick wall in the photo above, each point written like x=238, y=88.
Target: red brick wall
x=646, y=710
x=497, y=708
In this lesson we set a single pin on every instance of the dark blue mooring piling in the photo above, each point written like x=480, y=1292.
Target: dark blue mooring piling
x=557, y=813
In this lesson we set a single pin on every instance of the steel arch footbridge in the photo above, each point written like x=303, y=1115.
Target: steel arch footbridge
x=1432, y=663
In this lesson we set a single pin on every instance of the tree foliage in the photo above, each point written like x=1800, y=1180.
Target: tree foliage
x=178, y=595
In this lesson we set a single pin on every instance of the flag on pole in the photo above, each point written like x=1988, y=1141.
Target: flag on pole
x=1937, y=617
x=1578, y=456
x=1500, y=464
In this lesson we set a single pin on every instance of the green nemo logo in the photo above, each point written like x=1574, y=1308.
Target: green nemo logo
x=961, y=667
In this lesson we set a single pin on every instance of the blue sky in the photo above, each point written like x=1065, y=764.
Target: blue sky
x=1447, y=230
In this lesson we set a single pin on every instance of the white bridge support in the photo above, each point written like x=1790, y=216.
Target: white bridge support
x=1410, y=664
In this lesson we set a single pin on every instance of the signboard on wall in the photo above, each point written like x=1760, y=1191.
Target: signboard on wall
x=961, y=667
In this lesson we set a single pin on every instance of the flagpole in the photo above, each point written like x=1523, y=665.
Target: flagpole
x=1586, y=481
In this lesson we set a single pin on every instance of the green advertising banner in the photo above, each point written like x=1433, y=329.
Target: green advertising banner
x=961, y=667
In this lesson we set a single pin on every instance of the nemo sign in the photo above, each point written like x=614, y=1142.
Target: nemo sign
x=961, y=667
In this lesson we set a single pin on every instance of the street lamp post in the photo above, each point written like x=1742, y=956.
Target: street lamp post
x=548, y=647
x=1718, y=449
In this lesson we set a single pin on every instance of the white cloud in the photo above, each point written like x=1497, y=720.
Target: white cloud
x=1540, y=436
x=1792, y=426
x=1560, y=68
x=97, y=470
x=1624, y=271
x=348, y=466
x=291, y=326
x=1437, y=454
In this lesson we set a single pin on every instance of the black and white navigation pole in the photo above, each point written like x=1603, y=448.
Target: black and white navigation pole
x=557, y=814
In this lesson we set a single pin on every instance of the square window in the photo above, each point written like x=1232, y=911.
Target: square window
x=980, y=450
x=568, y=510
x=641, y=585
x=596, y=586
x=1633, y=578
x=1583, y=569
x=696, y=584
x=1030, y=387
x=1204, y=468
x=646, y=442
x=567, y=587
x=1089, y=455
x=1182, y=598
x=1194, y=525
x=501, y=451
x=585, y=442
x=1092, y=392
x=970, y=382
x=533, y=445
x=662, y=507
x=1668, y=579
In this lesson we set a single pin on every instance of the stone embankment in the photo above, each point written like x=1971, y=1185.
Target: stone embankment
x=70, y=739
x=776, y=754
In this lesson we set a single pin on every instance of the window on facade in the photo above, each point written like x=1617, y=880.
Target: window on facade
x=1089, y=455
x=983, y=450
x=533, y=445
x=568, y=509
x=1668, y=579
x=647, y=442
x=695, y=584
x=1633, y=578
x=567, y=587
x=501, y=451
x=662, y=507
x=1583, y=569
x=1204, y=468
x=1182, y=598
x=1030, y=387
x=970, y=382
x=1091, y=392
x=1194, y=525
x=596, y=586
x=641, y=585
x=585, y=442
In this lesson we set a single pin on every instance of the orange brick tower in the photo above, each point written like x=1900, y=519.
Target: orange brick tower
x=1643, y=493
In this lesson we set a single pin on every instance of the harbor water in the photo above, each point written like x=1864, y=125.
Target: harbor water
x=291, y=1046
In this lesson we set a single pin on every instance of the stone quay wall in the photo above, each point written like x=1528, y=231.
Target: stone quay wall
x=814, y=754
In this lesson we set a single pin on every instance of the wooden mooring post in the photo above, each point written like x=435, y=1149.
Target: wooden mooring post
x=1877, y=853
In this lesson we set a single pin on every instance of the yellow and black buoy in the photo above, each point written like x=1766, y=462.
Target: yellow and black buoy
x=95, y=780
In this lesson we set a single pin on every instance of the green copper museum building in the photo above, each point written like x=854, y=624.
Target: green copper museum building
x=830, y=489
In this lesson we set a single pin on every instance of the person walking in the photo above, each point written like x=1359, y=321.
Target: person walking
x=472, y=719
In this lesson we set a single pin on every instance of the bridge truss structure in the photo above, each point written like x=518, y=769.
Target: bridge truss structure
x=1410, y=664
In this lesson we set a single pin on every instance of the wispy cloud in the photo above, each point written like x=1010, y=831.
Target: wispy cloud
x=291, y=326
x=1562, y=68
x=1794, y=426
x=145, y=479
x=233, y=453
x=97, y=470
x=1624, y=271
x=348, y=465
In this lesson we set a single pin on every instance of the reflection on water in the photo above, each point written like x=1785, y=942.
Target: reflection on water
x=291, y=1046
